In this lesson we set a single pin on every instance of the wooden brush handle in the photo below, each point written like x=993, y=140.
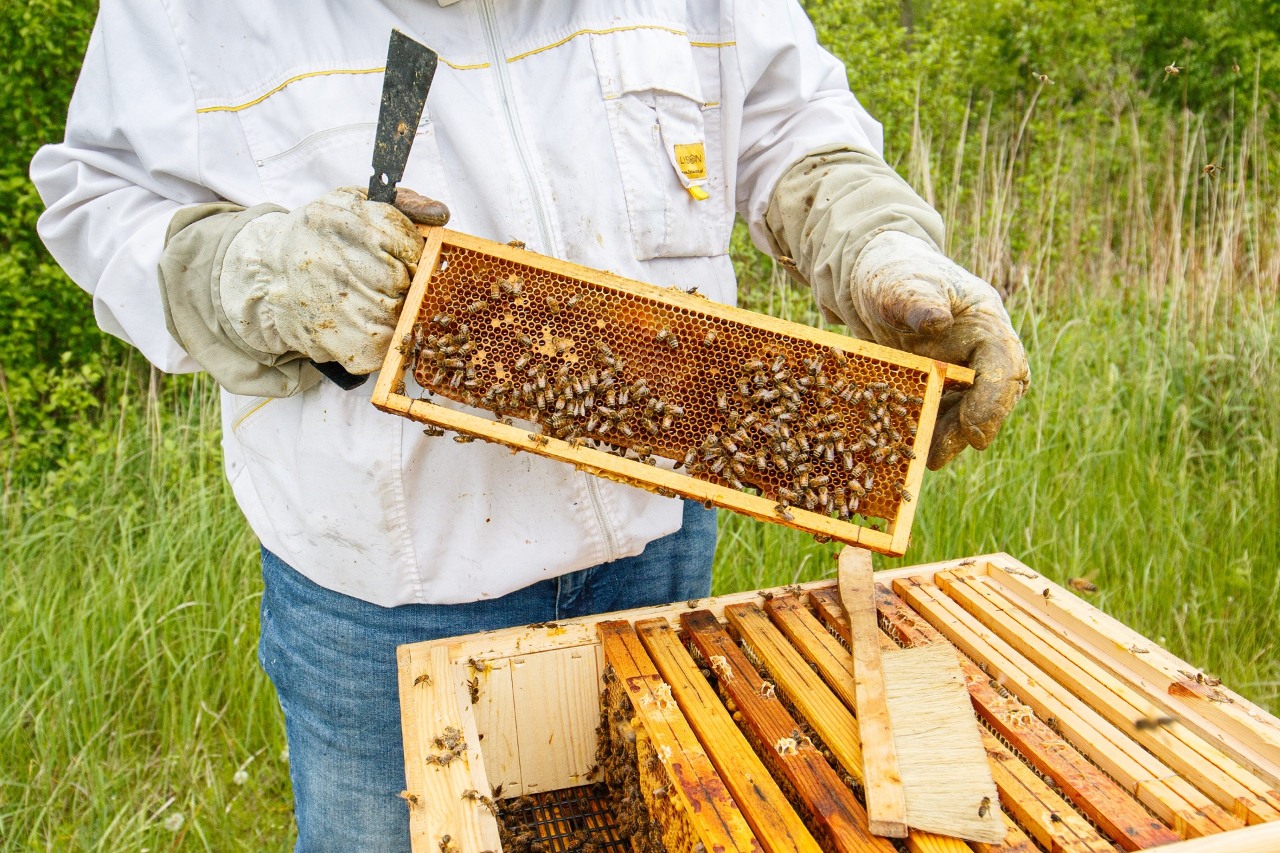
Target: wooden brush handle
x=886, y=799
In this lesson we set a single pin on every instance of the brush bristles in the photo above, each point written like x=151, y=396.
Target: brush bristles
x=941, y=759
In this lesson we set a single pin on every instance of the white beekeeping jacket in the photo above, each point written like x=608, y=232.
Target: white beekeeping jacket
x=556, y=123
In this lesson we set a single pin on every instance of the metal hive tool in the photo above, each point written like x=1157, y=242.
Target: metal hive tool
x=776, y=420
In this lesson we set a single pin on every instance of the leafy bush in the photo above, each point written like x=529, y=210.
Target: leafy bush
x=53, y=359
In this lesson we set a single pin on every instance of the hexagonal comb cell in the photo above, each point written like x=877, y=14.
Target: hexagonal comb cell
x=803, y=418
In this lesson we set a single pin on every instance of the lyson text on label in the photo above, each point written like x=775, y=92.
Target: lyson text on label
x=692, y=160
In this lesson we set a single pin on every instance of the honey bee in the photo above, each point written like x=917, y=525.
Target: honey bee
x=422, y=679
x=573, y=300
x=1145, y=724
x=1047, y=593
x=516, y=244
x=553, y=305
x=1171, y=70
x=1083, y=585
x=464, y=439
x=1211, y=170
x=411, y=799
x=512, y=285
x=433, y=431
x=709, y=338
x=473, y=688
x=444, y=321
x=984, y=808
x=477, y=306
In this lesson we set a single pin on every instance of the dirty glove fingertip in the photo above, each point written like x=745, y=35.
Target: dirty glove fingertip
x=948, y=439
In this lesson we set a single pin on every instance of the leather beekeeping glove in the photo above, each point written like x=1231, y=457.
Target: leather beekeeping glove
x=910, y=296
x=254, y=295
x=867, y=244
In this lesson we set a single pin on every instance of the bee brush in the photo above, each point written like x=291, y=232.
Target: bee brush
x=924, y=765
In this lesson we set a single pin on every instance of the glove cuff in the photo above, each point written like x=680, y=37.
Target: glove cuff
x=190, y=278
x=827, y=207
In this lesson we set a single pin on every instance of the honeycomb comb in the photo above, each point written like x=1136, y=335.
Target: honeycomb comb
x=776, y=420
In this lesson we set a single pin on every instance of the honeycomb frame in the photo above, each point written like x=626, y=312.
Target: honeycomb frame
x=674, y=341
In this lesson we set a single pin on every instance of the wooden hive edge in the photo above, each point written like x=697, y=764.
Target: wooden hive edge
x=1195, y=759
x=1240, y=728
x=694, y=782
x=430, y=708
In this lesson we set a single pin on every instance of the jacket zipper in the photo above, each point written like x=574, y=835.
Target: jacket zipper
x=499, y=63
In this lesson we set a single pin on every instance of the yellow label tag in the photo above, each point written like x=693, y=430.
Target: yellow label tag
x=692, y=159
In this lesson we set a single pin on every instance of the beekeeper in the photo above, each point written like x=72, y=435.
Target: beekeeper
x=199, y=197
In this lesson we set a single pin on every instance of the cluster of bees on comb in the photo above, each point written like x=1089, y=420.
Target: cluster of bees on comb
x=803, y=450
x=567, y=403
x=805, y=426
x=638, y=785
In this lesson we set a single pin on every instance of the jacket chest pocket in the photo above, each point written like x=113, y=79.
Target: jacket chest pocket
x=317, y=133
x=666, y=137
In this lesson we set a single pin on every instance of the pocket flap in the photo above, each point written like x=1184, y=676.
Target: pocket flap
x=645, y=59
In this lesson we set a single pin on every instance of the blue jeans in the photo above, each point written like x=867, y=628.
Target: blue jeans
x=332, y=659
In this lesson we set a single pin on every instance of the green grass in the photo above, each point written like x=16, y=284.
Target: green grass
x=132, y=691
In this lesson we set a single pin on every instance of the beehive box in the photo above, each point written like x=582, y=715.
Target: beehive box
x=773, y=419
x=1098, y=739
